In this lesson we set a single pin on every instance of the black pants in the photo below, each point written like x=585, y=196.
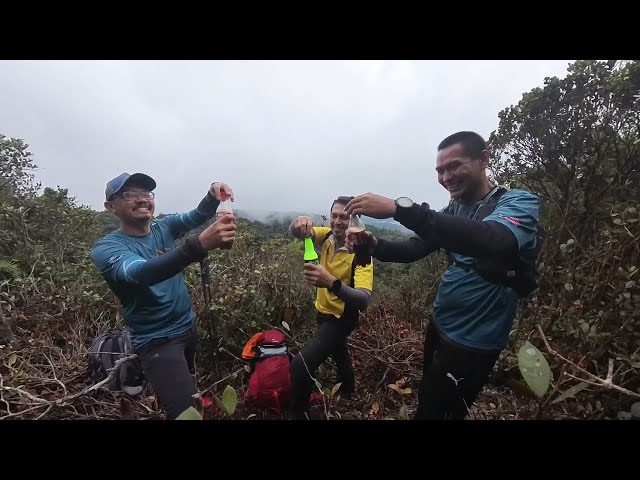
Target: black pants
x=330, y=339
x=452, y=378
x=169, y=365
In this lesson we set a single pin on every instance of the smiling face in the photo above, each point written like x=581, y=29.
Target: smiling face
x=339, y=221
x=463, y=176
x=134, y=205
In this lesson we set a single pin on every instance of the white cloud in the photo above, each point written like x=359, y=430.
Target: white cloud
x=284, y=134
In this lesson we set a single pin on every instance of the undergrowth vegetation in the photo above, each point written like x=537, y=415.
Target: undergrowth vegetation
x=575, y=142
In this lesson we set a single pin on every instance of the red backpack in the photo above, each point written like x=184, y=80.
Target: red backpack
x=270, y=384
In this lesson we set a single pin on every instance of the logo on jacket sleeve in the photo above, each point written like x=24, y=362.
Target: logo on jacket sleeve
x=512, y=220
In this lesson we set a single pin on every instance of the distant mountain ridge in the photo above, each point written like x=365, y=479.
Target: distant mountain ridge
x=269, y=216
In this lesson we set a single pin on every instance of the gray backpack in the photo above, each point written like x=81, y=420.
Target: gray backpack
x=105, y=351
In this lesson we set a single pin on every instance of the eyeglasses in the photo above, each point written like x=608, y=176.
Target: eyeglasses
x=136, y=195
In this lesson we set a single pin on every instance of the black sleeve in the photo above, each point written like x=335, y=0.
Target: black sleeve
x=166, y=266
x=358, y=297
x=472, y=238
x=403, y=251
x=208, y=205
x=180, y=224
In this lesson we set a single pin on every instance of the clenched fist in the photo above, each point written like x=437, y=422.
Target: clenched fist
x=362, y=238
x=219, y=234
x=303, y=226
x=372, y=205
x=318, y=276
x=218, y=187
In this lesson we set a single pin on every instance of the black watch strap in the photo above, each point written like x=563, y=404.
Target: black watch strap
x=336, y=286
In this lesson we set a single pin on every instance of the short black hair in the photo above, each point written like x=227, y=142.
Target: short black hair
x=341, y=200
x=472, y=143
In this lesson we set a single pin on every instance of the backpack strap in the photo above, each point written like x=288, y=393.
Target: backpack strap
x=512, y=272
x=106, y=351
x=486, y=208
x=352, y=278
x=326, y=237
x=353, y=264
x=126, y=340
x=490, y=202
x=96, y=366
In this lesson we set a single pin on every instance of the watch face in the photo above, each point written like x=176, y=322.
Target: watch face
x=404, y=202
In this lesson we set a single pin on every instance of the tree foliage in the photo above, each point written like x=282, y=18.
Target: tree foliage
x=575, y=142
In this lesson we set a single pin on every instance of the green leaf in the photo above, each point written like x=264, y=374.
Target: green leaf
x=12, y=359
x=534, y=368
x=571, y=392
x=229, y=399
x=403, y=414
x=189, y=414
x=9, y=268
x=335, y=388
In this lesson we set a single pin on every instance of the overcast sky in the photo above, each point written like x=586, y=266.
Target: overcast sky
x=285, y=135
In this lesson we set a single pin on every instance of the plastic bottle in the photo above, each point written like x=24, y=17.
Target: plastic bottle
x=224, y=208
x=310, y=254
x=354, y=232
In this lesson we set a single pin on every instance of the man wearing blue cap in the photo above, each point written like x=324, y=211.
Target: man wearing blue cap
x=143, y=267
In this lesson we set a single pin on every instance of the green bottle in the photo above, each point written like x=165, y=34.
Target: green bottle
x=310, y=254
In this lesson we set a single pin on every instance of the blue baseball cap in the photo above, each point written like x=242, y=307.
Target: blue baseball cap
x=115, y=184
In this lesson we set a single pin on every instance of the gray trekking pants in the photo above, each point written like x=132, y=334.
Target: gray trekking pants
x=169, y=365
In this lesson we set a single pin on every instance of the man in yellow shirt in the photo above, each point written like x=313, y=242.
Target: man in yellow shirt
x=344, y=290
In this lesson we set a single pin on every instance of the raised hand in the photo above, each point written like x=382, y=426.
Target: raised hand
x=362, y=238
x=318, y=276
x=372, y=205
x=218, y=187
x=303, y=226
x=219, y=234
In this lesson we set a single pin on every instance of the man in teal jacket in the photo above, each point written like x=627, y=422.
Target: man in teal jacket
x=143, y=267
x=491, y=236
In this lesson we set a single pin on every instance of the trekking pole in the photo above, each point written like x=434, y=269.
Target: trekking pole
x=206, y=291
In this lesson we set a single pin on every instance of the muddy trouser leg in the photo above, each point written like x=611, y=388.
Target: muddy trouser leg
x=442, y=397
x=169, y=365
x=329, y=337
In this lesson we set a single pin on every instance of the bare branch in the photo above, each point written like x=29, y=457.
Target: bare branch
x=64, y=400
x=222, y=380
x=55, y=377
x=595, y=380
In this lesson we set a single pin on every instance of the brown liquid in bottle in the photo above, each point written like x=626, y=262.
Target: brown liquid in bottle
x=363, y=257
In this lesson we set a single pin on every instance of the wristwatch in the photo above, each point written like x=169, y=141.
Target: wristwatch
x=335, y=287
x=403, y=205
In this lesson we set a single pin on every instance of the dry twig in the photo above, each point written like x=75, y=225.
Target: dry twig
x=597, y=381
x=68, y=398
